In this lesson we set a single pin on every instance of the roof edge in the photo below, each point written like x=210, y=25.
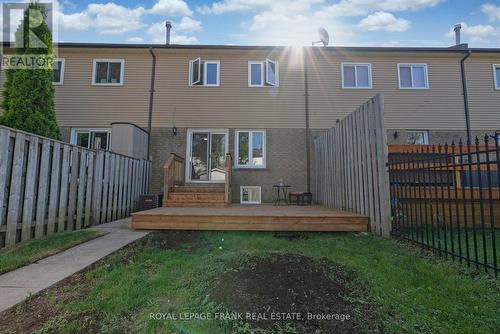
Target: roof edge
x=453, y=49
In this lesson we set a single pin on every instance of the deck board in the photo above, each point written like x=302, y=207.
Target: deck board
x=250, y=218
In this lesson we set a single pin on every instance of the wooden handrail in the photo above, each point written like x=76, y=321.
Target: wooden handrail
x=228, y=168
x=173, y=174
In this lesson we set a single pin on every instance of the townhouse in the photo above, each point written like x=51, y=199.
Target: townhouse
x=204, y=101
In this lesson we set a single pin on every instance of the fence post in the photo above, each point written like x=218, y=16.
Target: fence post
x=29, y=192
x=15, y=189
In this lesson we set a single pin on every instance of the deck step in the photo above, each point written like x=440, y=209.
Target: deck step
x=195, y=197
x=197, y=204
x=198, y=189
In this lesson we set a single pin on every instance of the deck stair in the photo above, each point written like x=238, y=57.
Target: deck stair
x=196, y=196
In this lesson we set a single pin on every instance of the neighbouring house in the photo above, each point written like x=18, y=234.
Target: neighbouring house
x=203, y=101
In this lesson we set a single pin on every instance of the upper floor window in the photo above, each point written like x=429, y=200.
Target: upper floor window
x=420, y=137
x=263, y=73
x=251, y=149
x=58, y=72
x=413, y=76
x=108, y=72
x=204, y=72
x=356, y=75
x=91, y=138
x=496, y=72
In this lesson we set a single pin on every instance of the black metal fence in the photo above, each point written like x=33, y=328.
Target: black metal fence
x=446, y=198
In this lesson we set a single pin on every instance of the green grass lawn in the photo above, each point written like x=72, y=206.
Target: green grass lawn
x=25, y=253
x=464, y=242
x=414, y=292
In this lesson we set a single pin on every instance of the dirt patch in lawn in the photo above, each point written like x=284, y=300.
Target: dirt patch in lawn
x=300, y=291
x=174, y=240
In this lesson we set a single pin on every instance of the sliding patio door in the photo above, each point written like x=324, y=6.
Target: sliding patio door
x=206, y=155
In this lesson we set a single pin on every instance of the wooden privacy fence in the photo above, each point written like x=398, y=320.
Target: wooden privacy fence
x=48, y=186
x=351, y=166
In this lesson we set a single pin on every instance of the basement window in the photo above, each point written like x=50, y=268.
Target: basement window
x=356, y=75
x=108, y=72
x=496, y=74
x=413, y=76
x=250, y=149
x=250, y=195
x=204, y=72
x=417, y=137
x=58, y=78
x=96, y=139
x=263, y=73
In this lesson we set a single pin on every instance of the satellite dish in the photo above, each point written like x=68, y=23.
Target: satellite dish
x=323, y=36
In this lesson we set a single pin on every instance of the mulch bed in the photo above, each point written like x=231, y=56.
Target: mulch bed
x=286, y=285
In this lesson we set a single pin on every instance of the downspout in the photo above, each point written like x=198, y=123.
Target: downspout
x=306, y=102
x=466, y=97
x=151, y=96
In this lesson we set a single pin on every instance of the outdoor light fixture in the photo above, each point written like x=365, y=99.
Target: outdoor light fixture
x=174, y=130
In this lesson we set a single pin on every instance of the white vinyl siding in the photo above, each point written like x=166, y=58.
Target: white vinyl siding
x=204, y=72
x=108, y=72
x=356, y=75
x=250, y=148
x=496, y=74
x=413, y=76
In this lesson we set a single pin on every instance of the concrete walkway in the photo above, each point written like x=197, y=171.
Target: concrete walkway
x=17, y=285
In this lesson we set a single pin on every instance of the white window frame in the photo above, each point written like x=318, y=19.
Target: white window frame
x=94, y=71
x=204, y=63
x=411, y=65
x=191, y=62
x=205, y=76
x=61, y=77
x=251, y=187
x=75, y=131
x=262, y=74
x=497, y=79
x=250, y=151
x=276, y=74
x=370, y=84
x=264, y=71
x=425, y=132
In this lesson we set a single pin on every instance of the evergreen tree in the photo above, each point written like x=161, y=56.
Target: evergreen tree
x=28, y=102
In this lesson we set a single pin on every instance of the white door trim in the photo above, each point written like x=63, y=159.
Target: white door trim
x=189, y=135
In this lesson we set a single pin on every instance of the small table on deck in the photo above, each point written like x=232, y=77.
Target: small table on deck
x=281, y=193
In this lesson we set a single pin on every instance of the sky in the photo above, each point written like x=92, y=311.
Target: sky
x=280, y=22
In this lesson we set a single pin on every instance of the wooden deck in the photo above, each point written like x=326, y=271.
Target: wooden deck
x=237, y=217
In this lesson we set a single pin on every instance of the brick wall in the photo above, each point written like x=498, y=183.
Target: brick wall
x=286, y=159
